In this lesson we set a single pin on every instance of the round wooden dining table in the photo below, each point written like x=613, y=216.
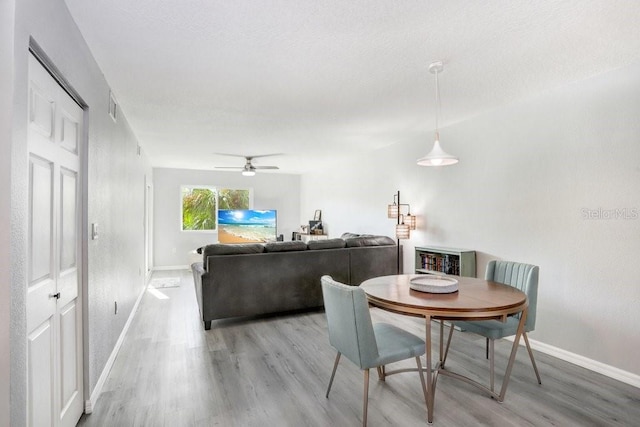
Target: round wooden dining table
x=475, y=299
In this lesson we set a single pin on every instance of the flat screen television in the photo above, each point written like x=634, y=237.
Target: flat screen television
x=246, y=225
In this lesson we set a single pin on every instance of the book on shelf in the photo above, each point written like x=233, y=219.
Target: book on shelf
x=442, y=263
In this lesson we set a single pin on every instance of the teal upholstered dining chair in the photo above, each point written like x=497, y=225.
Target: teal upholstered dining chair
x=518, y=275
x=367, y=345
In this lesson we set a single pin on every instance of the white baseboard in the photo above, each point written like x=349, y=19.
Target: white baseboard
x=172, y=267
x=95, y=394
x=592, y=365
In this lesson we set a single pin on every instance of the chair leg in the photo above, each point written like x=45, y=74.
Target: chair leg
x=382, y=373
x=487, y=348
x=533, y=361
x=366, y=398
x=424, y=384
x=491, y=362
x=335, y=366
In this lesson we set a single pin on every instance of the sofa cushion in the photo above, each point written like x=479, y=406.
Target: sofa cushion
x=349, y=235
x=326, y=244
x=231, y=249
x=285, y=246
x=369, y=241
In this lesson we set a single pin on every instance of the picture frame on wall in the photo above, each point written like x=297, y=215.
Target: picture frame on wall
x=315, y=227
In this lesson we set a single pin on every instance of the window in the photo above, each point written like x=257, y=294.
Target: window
x=200, y=204
x=199, y=208
x=233, y=199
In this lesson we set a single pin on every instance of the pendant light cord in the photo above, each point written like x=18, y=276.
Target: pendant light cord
x=437, y=105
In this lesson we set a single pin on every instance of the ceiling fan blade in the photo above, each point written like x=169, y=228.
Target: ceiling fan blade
x=265, y=167
x=229, y=167
x=231, y=155
x=264, y=155
x=248, y=157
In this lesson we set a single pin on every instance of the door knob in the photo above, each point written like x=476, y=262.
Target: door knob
x=56, y=295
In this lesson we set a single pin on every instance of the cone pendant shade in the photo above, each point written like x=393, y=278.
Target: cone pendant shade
x=437, y=156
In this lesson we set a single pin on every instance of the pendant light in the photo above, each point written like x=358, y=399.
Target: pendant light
x=437, y=156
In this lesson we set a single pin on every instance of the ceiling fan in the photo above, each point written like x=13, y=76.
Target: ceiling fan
x=249, y=169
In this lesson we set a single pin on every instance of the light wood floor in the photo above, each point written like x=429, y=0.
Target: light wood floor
x=274, y=371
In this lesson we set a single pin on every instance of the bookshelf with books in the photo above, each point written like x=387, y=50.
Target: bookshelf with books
x=434, y=260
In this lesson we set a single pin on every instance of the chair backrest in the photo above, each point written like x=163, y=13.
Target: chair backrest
x=521, y=276
x=349, y=322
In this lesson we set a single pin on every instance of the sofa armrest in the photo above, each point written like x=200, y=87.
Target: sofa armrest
x=197, y=268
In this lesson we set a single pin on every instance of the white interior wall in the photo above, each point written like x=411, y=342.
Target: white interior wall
x=529, y=174
x=173, y=247
x=115, y=185
x=6, y=110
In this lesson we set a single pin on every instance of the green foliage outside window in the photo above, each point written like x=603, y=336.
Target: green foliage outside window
x=199, y=206
x=233, y=199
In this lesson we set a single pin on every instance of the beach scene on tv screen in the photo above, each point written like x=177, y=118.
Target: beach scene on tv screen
x=246, y=225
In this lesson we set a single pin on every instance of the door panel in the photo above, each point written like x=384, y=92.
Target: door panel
x=68, y=271
x=68, y=343
x=69, y=137
x=41, y=222
x=39, y=346
x=41, y=113
x=42, y=285
x=68, y=189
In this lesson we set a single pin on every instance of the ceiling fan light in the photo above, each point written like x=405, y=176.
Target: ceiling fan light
x=248, y=173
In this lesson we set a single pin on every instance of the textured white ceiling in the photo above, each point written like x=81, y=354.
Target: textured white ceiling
x=316, y=79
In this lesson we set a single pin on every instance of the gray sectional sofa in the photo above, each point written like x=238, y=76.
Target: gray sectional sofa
x=250, y=279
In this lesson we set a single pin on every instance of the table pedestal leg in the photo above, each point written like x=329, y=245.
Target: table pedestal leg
x=430, y=385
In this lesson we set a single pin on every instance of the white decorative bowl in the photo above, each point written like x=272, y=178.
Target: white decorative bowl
x=434, y=284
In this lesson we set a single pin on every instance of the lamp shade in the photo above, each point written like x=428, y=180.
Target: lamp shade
x=392, y=211
x=410, y=220
x=437, y=157
x=402, y=231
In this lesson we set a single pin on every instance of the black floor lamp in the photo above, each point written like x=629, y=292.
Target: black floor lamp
x=405, y=222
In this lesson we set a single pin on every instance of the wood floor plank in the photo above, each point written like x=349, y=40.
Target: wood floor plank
x=274, y=370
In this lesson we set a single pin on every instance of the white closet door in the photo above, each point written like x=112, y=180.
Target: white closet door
x=54, y=310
